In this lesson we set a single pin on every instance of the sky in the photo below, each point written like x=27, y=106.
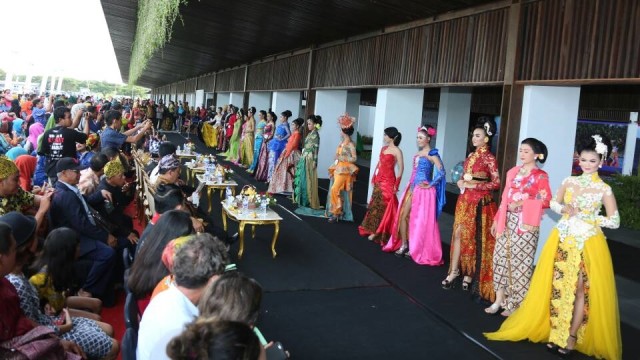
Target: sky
x=38, y=29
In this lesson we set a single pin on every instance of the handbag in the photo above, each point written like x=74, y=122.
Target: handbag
x=40, y=343
x=102, y=221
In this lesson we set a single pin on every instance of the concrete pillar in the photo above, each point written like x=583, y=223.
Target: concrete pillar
x=43, y=84
x=59, y=88
x=200, y=101
x=8, y=81
x=401, y=108
x=52, y=87
x=453, y=125
x=630, y=145
x=237, y=99
x=27, y=84
x=261, y=100
x=222, y=99
x=287, y=100
x=545, y=108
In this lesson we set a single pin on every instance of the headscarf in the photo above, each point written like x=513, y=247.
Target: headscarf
x=27, y=166
x=168, y=162
x=14, y=152
x=34, y=131
x=171, y=249
x=7, y=167
x=113, y=168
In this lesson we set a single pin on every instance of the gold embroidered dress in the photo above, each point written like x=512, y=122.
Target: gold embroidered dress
x=576, y=247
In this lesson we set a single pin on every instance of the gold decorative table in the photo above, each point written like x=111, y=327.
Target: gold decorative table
x=254, y=218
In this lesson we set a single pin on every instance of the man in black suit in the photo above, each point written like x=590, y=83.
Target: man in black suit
x=70, y=209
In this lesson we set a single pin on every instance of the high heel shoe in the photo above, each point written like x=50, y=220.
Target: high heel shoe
x=493, y=310
x=450, y=284
x=565, y=352
x=466, y=285
x=403, y=251
x=333, y=219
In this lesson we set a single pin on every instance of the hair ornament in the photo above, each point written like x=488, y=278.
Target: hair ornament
x=317, y=126
x=487, y=128
x=601, y=148
x=541, y=156
x=346, y=121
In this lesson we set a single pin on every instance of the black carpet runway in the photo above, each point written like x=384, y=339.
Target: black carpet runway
x=331, y=294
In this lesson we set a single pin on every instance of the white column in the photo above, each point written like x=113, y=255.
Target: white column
x=630, y=144
x=453, y=125
x=329, y=104
x=287, y=100
x=401, y=108
x=223, y=99
x=199, y=102
x=237, y=99
x=59, y=88
x=27, y=84
x=261, y=100
x=43, y=84
x=545, y=108
x=52, y=87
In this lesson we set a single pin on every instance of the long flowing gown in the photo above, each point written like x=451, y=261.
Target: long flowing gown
x=382, y=209
x=474, y=215
x=284, y=172
x=234, y=142
x=516, y=242
x=222, y=138
x=423, y=234
x=343, y=174
x=575, y=248
x=305, y=184
x=277, y=145
x=257, y=144
x=263, y=159
x=210, y=133
x=246, y=146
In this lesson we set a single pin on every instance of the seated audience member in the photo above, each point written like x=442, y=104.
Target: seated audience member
x=15, y=326
x=167, y=197
x=165, y=148
x=27, y=167
x=14, y=152
x=113, y=209
x=88, y=334
x=214, y=340
x=233, y=297
x=14, y=198
x=90, y=177
x=169, y=174
x=148, y=269
x=70, y=209
x=113, y=138
x=88, y=149
x=197, y=263
x=35, y=130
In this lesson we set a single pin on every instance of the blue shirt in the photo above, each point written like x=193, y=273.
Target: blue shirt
x=112, y=139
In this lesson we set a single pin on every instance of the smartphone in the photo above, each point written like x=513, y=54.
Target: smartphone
x=276, y=352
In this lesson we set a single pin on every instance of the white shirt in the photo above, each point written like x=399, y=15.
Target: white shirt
x=153, y=177
x=164, y=319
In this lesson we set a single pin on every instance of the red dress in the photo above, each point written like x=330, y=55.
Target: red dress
x=382, y=209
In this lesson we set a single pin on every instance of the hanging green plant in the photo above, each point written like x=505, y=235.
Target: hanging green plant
x=155, y=22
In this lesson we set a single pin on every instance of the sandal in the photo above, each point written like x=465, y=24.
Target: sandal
x=565, y=352
x=466, y=285
x=403, y=251
x=493, y=310
x=449, y=284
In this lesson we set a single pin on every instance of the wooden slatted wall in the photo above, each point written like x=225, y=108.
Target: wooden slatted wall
x=207, y=82
x=190, y=85
x=259, y=76
x=288, y=73
x=580, y=39
x=466, y=50
x=232, y=80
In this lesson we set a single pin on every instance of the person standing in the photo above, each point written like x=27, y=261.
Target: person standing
x=305, y=189
x=381, y=212
x=342, y=174
x=262, y=115
x=246, y=143
x=262, y=170
x=572, y=303
x=416, y=226
x=472, y=243
x=284, y=172
x=516, y=227
x=279, y=142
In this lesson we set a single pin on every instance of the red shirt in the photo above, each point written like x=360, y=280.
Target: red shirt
x=13, y=322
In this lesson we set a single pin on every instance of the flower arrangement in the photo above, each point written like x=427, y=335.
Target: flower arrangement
x=223, y=171
x=254, y=198
x=189, y=147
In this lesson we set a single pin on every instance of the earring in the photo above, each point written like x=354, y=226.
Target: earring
x=486, y=139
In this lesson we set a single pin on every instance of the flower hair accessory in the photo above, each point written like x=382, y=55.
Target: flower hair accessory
x=601, y=148
x=317, y=126
x=429, y=130
x=346, y=121
x=487, y=128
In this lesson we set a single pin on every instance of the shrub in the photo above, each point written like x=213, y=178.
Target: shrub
x=627, y=191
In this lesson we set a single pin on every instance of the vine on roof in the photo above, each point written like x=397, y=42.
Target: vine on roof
x=155, y=22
